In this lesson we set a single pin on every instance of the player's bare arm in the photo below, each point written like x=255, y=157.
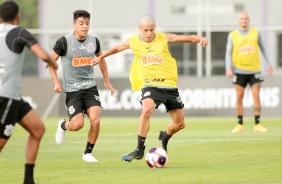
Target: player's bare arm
x=122, y=46
x=58, y=87
x=174, y=38
x=42, y=54
x=104, y=71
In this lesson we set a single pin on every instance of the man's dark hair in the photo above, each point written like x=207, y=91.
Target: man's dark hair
x=80, y=13
x=8, y=11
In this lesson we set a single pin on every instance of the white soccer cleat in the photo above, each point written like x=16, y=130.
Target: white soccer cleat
x=60, y=133
x=88, y=157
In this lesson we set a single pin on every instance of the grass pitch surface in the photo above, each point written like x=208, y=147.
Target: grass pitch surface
x=204, y=152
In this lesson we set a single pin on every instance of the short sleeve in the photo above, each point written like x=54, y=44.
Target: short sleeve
x=98, y=46
x=60, y=47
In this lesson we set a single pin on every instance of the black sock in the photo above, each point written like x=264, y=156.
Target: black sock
x=240, y=120
x=166, y=137
x=89, y=148
x=28, y=174
x=257, y=119
x=63, y=125
x=141, y=142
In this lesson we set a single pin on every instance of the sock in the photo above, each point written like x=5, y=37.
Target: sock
x=240, y=120
x=257, y=119
x=89, y=147
x=28, y=174
x=166, y=136
x=141, y=142
x=63, y=125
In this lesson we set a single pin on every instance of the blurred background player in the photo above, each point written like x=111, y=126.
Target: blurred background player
x=154, y=71
x=77, y=50
x=243, y=49
x=13, y=108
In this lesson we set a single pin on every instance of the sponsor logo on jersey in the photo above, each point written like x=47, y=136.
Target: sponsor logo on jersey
x=90, y=47
x=82, y=47
x=81, y=84
x=147, y=80
x=151, y=59
x=82, y=61
x=149, y=49
x=246, y=49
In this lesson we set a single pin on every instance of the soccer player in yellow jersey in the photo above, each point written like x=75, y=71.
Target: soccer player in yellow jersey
x=243, y=49
x=154, y=71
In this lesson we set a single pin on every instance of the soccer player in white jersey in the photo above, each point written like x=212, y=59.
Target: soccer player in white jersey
x=13, y=108
x=77, y=50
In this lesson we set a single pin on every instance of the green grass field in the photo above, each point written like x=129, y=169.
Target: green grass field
x=204, y=152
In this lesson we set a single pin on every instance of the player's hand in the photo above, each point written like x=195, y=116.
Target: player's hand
x=58, y=88
x=229, y=73
x=204, y=42
x=96, y=60
x=270, y=70
x=109, y=86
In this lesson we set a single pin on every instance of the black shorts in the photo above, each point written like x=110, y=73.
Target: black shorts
x=169, y=97
x=245, y=79
x=79, y=101
x=11, y=111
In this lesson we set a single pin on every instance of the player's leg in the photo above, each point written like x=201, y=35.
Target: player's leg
x=32, y=123
x=144, y=126
x=177, y=116
x=94, y=114
x=174, y=107
x=255, y=88
x=258, y=127
x=240, y=81
x=75, y=113
x=239, y=99
x=239, y=108
x=2, y=143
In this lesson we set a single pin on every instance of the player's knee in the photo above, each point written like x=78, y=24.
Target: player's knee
x=147, y=112
x=38, y=134
x=95, y=123
x=180, y=126
x=78, y=125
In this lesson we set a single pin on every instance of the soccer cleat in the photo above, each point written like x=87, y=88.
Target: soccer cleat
x=88, y=157
x=136, y=154
x=60, y=133
x=259, y=128
x=160, y=136
x=238, y=128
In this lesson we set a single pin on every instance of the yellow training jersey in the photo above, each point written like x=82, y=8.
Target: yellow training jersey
x=245, y=53
x=153, y=65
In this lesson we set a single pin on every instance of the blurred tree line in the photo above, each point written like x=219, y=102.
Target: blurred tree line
x=28, y=10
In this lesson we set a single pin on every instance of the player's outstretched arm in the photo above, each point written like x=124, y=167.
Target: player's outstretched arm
x=58, y=87
x=43, y=55
x=122, y=46
x=174, y=38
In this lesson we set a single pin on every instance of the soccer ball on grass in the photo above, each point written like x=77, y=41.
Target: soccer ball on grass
x=156, y=157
